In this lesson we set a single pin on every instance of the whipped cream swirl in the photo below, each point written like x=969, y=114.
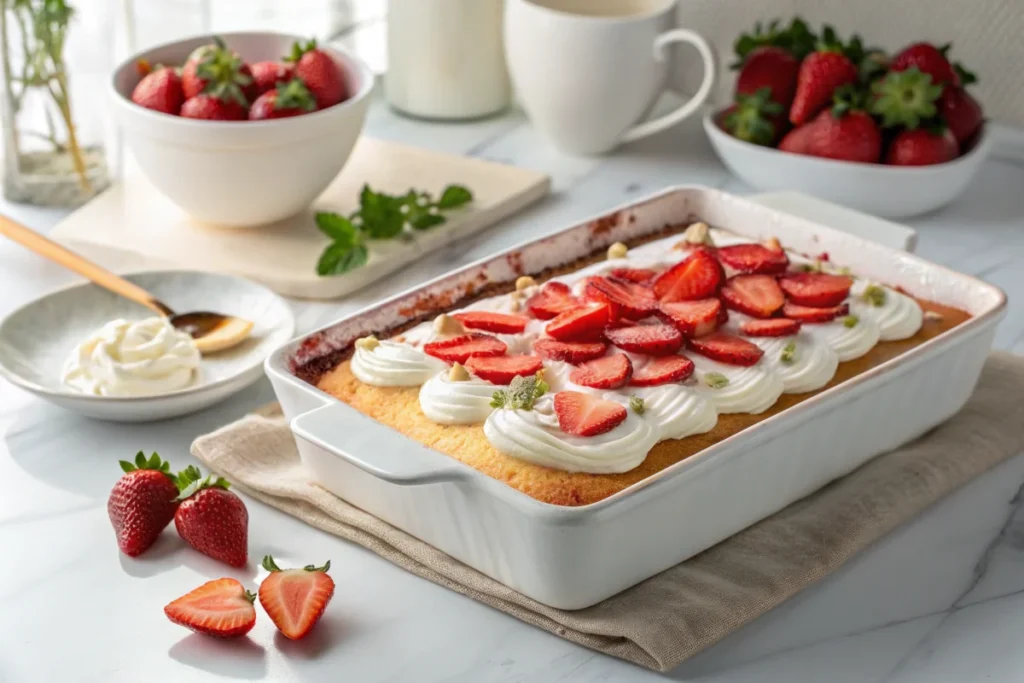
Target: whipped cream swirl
x=390, y=364
x=803, y=362
x=133, y=358
x=452, y=402
x=752, y=389
x=534, y=435
x=849, y=336
x=677, y=411
x=898, y=316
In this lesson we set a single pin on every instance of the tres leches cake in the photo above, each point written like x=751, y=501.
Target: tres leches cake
x=573, y=389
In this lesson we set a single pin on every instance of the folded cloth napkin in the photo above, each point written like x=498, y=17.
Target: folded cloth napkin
x=676, y=614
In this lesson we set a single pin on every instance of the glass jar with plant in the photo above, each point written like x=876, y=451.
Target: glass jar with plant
x=46, y=161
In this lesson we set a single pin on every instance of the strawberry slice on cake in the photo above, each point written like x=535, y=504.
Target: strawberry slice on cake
x=583, y=414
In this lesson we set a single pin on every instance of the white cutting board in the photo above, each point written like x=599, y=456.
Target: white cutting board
x=134, y=217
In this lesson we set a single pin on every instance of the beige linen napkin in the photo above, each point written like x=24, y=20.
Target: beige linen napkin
x=673, y=615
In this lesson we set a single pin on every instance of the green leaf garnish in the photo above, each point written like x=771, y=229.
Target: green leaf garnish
x=380, y=216
x=874, y=295
x=715, y=380
x=143, y=463
x=191, y=480
x=520, y=394
x=850, y=321
x=788, y=354
x=637, y=404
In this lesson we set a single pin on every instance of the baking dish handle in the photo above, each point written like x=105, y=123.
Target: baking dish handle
x=373, y=447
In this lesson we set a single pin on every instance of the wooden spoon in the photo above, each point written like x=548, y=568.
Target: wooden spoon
x=210, y=331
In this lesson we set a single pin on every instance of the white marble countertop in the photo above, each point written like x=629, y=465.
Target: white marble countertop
x=940, y=600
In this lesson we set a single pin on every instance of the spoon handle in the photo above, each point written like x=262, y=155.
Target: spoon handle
x=84, y=267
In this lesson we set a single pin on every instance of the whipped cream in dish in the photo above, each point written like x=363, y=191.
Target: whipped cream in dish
x=897, y=315
x=456, y=402
x=534, y=435
x=850, y=336
x=676, y=410
x=133, y=358
x=392, y=364
x=752, y=389
x=803, y=362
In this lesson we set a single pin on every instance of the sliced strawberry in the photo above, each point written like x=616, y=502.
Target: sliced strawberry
x=695, y=277
x=692, y=318
x=627, y=299
x=641, y=276
x=459, y=349
x=552, y=299
x=812, y=314
x=664, y=370
x=583, y=414
x=570, y=352
x=753, y=258
x=816, y=289
x=221, y=608
x=295, y=599
x=654, y=340
x=610, y=372
x=723, y=316
x=581, y=323
x=503, y=369
x=727, y=349
x=756, y=295
x=773, y=327
x=491, y=322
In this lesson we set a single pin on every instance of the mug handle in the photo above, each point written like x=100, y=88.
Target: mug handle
x=679, y=35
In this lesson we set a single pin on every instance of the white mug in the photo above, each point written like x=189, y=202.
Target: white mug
x=587, y=70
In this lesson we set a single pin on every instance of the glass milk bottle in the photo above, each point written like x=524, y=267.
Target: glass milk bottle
x=445, y=58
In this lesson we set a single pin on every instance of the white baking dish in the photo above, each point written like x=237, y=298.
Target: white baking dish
x=573, y=557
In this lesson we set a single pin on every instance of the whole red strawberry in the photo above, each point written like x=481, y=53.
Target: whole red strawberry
x=961, y=112
x=319, y=72
x=929, y=59
x=905, y=98
x=288, y=99
x=844, y=132
x=211, y=519
x=769, y=67
x=922, y=147
x=216, y=70
x=142, y=503
x=212, y=108
x=160, y=91
x=820, y=74
x=266, y=75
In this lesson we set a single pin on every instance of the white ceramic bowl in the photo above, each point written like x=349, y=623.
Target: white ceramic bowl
x=241, y=173
x=36, y=339
x=887, y=191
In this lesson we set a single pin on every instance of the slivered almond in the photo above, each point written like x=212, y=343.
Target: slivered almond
x=447, y=325
x=458, y=373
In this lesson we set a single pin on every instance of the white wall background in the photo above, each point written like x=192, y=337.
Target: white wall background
x=987, y=37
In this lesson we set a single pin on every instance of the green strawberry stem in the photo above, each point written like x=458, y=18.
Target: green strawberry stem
x=152, y=463
x=905, y=98
x=271, y=566
x=191, y=480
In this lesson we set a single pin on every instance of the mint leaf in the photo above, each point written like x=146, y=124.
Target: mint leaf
x=454, y=196
x=425, y=220
x=381, y=214
x=337, y=227
x=340, y=258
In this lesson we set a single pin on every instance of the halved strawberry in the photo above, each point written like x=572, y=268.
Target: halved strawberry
x=570, y=352
x=641, y=276
x=627, y=299
x=695, y=277
x=773, y=327
x=491, y=322
x=222, y=608
x=654, y=340
x=552, y=299
x=609, y=372
x=813, y=314
x=295, y=599
x=664, y=370
x=727, y=349
x=816, y=289
x=753, y=258
x=459, y=349
x=581, y=323
x=756, y=295
x=692, y=318
x=583, y=414
x=503, y=369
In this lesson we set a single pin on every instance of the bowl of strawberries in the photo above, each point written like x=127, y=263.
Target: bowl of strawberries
x=893, y=135
x=241, y=129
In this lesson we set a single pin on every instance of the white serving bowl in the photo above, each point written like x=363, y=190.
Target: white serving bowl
x=886, y=191
x=241, y=173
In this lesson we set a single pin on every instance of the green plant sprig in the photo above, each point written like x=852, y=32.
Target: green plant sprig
x=380, y=217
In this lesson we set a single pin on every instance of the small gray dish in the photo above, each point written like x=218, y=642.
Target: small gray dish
x=36, y=339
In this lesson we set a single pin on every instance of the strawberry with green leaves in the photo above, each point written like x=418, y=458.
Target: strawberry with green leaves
x=212, y=519
x=905, y=98
x=295, y=599
x=216, y=70
x=319, y=72
x=929, y=59
x=142, y=503
x=845, y=132
x=822, y=72
x=958, y=108
x=755, y=118
x=287, y=99
x=931, y=144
